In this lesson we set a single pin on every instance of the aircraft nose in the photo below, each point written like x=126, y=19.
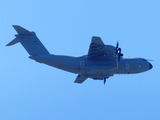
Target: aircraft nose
x=150, y=66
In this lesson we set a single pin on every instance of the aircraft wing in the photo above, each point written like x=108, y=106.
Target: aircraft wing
x=80, y=79
x=98, y=50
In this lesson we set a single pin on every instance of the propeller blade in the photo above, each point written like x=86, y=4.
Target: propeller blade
x=116, y=51
x=117, y=44
x=118, y=57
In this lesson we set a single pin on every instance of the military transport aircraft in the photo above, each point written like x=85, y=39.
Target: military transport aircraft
x=101, y=62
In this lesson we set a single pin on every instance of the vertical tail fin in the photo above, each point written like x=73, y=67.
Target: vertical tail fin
x=29, y=41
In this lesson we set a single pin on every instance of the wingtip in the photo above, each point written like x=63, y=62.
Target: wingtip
x=15, y=26
x=97, y=40
x=7, y=45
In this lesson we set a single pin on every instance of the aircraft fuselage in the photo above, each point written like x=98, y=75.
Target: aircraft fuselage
x=96, y=69
x=101, y=62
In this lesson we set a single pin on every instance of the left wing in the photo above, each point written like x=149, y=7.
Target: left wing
x=98, y=50
x=80, y=79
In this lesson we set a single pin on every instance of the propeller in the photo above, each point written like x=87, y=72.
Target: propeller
x=117, y=47
x=118, y=51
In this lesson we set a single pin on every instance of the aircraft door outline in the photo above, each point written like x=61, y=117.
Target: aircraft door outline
x=127, y=66
x=82, y=64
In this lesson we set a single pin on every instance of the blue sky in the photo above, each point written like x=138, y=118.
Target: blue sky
x=33, y=91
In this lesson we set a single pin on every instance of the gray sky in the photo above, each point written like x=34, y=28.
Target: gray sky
x=33, y=91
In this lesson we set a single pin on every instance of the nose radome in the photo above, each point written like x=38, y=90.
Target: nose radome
x=150, y=66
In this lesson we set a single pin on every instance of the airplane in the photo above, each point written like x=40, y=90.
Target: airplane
x=101, y=62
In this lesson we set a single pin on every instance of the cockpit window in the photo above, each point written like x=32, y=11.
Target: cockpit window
x=144, y=60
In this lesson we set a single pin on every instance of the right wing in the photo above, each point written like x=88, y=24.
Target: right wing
x=98, y=50
x=80, y=79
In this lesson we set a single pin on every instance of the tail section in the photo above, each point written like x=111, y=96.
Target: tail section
x=29, y=41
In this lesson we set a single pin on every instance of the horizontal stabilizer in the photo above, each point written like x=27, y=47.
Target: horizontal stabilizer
x=22, y=31
x=80, y=79
x=12, y=42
